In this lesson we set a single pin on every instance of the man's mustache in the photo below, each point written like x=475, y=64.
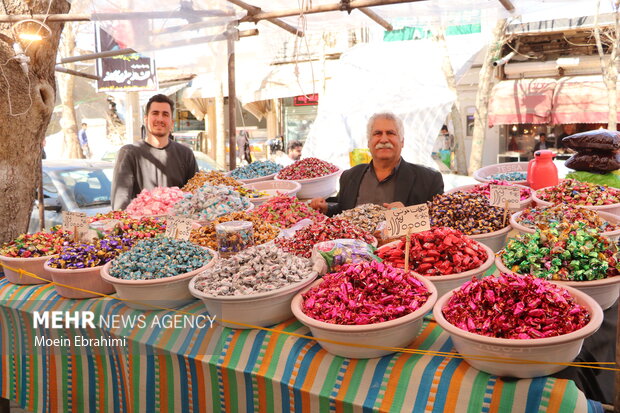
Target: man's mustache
x=386, y=145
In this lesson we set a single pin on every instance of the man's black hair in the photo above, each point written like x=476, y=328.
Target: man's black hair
x=160, y=99
x=294, y=145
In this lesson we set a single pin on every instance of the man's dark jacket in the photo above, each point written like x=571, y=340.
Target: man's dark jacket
x=415, y=184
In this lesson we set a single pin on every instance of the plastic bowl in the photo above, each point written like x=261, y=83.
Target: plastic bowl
x=605, y=216
x=399, y=332
x=320, y=187
x=495, y=240
x=522, y=205
x=170, y=292
x=605, y=292
x=483, y=174
x=253, y=180
x=83, y=278
x=32, y=265
x=263, y=309
x=560, y=349
x=273, y=188
x=448, y=282
x=610, y=209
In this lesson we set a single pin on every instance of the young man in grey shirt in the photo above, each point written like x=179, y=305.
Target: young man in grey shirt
x=156, y=161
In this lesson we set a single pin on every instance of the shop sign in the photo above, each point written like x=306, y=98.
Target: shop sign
x=306, y=100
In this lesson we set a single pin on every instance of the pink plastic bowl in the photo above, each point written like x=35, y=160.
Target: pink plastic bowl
x=31, y=265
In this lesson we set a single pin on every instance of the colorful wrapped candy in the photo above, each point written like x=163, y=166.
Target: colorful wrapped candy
x=157, y=201
x=39, y=244
x=574, y=192
x=562, y=213
x=285, y=211
x=467, y=212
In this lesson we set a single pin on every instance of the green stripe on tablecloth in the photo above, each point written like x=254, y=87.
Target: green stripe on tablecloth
x=329, y=382
x=508, y=395
x=135, y=391
x=237, y=350
x=170, y=360
x=569, y=401
x=546, y=392
x=478, y=390
x=79, y=399
x=213, y=367
x=356, y=379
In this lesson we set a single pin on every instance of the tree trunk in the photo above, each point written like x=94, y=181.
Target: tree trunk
x=26, y=105
x=220, y=131
x=482, y=97
x=66, y=83
x=455, y=114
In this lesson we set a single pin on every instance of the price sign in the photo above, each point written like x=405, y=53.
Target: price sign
x=410, y=219
x=502, y=194
x=178, y=228
x=77, y=223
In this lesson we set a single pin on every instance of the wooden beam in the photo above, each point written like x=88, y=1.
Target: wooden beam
x=177, y=14
x=255, y=10
x=76, y=73
x=507, y=5
x=92, y=56
x=354, y=4
x=376, y=18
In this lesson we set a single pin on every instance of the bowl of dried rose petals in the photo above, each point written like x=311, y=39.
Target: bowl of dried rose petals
x=317, y=178
x=445, y=255
x=366, y=310
x=517, y=326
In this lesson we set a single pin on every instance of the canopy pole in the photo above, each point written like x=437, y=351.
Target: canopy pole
x=76, y=73
x=377, y=19
x=254, y=10
x=232, y=100
x=76, y=17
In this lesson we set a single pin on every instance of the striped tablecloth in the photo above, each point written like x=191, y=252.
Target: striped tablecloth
x=215, y=369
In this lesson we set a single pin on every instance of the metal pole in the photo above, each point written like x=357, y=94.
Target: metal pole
x=377, y=19
x=92, y=56
x=76, y=73
x=232, y=102
x=177, y=14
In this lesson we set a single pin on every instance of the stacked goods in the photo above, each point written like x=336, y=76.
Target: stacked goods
x=514, y=307
x=255, y=270
x=332, y=228
x=440, y=251
x=596, y=151
x=470, y=213
x=542, y=217
x=565, y=252
x=157, y=201
x=209, y=202
x=256, y=170
x=88, y=255
x=285, y=211
x=206, y=236
x=364, y=293
x=573, y=192
x=159, y=258
x=39, y=244
x=307, y=168
x=366, y=216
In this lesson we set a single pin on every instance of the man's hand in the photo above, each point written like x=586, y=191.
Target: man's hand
x=319, y=204
x=394, y=205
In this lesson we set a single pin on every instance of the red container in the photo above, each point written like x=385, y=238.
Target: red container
x=541, y=171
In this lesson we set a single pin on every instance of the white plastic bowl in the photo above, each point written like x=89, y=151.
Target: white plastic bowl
x=169, y=292
x=273, y=188
x=610, y=209
x=448, y=282
x=399, y=332
x=522, y=205
x=482, y=174
x=253, y=180
x=32, y=265
x=320, y=187
x=605, y=216
x=495, y=240
x=560, y=349
x=605, y=292
x=262, y=309
x=79, y=279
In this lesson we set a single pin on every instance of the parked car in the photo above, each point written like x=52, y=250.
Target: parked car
x=76, y=186
x=204, y=161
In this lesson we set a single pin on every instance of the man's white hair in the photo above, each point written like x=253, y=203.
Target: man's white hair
x=400, y=129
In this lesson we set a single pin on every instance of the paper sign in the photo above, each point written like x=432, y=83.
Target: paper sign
x=178, y=228
x=77, y=223
x=502, y=193
x=411, y=219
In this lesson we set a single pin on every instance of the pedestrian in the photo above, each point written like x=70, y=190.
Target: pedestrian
x=83, y=139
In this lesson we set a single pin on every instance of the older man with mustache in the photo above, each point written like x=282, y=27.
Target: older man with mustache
x=388, y=179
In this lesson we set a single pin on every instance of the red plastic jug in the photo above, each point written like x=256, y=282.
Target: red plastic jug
x=541, y=171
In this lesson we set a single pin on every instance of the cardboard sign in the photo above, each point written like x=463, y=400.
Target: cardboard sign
x=77, y=223
x=411, y=219
x=178, y=228
x=500, y=194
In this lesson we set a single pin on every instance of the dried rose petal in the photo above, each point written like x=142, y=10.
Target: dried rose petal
x=515, y=307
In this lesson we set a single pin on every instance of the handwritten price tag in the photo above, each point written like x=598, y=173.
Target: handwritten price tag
x=178, y=228
x=500, y=194
x=410, y=219
x=77, y=223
